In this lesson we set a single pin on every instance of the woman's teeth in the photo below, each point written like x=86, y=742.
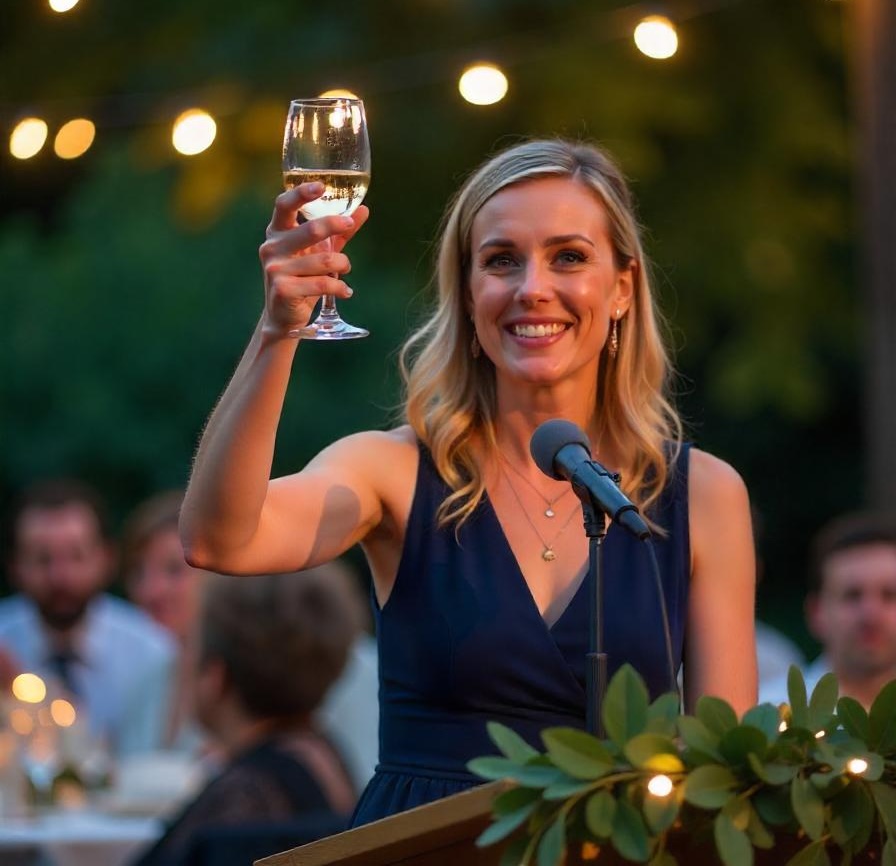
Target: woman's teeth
x=538, y=330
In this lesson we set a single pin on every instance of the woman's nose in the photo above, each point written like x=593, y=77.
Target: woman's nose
x=535, y=284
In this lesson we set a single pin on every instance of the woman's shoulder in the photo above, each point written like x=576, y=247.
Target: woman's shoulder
x=713, y=483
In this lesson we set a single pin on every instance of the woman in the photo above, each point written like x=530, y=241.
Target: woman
x=544, y=311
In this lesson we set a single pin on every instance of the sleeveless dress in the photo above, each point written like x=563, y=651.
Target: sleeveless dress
x=462, y=643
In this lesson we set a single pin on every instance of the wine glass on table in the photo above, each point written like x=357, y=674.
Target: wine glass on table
x=326, y=141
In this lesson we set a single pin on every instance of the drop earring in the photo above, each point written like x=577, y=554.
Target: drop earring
x=475, y=348
x=613, y=347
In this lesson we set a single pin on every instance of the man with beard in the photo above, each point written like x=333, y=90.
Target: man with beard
x=103, y=653
x=851, y=607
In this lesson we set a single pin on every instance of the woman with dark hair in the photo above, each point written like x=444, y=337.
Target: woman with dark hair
x=544, y=310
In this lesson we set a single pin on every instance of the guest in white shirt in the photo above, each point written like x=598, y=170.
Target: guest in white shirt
x=851, y=607
x=112, y=660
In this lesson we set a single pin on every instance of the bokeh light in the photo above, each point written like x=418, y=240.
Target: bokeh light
x=656, y=37
x=63, y=713
x=483, y=84
x=339, y=92
x=660, y=786
x=29, y=688
x=194, y=131
x=62, y=5
x=74, y=138
x=857, y=766
x=27, y=139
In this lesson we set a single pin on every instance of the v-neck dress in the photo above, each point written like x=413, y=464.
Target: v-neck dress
x=462, y=642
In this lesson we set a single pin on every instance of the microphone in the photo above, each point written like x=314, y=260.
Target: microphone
x=560, y=449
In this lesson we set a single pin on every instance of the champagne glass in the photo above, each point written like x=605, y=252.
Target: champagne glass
x=326, y=141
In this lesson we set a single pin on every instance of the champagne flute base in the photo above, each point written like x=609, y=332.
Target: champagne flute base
x=323, y=329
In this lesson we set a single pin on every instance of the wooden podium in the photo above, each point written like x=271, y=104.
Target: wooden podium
x=444, y=834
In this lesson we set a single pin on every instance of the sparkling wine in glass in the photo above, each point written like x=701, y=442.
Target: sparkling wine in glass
x=326, y=141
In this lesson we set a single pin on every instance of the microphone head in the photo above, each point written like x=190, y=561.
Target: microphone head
x=549, y=438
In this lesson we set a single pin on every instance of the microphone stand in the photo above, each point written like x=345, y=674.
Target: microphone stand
x=596, y=659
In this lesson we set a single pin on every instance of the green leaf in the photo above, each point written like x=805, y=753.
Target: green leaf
x=764, y=717
x=738, y=810
x=852, y=816
x=853, y=717
x=662, y=715
x=504, y=826
x=807, y=806
x=889, y=853
x=515, y=798
x=578, y=754
x=600, y=812
x=732, y=844
x=566, y=789
x=814, y=854
x=653, y=752
x=773, y=806
x=663, y=858
x=772, y=773
x=709, y=786
x=760, y=836
x=492, y=767
x=552, y=847
x=796, y=692
x=742, y=741
x=514, y=851
x=885, y=800
x=661, y=812
x=698, y=738
x=823, y=701
x=625, y=706
x=511, y=744
x=716, y=714
x=529, y=775
x=629, y=835
x=882, y=720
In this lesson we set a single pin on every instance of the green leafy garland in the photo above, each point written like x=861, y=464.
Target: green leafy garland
x=820, y=771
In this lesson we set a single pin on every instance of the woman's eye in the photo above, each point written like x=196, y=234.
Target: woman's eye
x=570, y=257
x=500, y=260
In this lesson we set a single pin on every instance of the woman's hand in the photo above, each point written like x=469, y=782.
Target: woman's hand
x=303, y=261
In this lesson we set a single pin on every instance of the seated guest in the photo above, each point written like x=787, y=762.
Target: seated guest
x=111, y=659
x=269, y=648
x=159, y=580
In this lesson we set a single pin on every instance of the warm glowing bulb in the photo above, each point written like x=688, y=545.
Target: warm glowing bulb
x=819, y=735
x=857, y=766
x=656, y=37
x=62, y=5
x=483, y=84
x=63, y=713
x=28, y=138
x=782, y=727
x=74, y=138
x=29, y=688
x=660, y=786
x=194, y=131
x=338, y=92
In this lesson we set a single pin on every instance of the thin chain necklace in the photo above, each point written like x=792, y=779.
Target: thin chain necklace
x=547, y=551
x=549, y=503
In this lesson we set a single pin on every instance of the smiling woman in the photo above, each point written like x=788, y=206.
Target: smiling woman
x=544, y=311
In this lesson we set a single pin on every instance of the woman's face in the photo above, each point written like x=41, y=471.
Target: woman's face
x=543, y=282
x=164, y=585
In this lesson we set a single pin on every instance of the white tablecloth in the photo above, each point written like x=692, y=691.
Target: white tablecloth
x=75, y=839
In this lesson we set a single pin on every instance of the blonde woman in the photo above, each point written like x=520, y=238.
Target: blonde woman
x=478, y=559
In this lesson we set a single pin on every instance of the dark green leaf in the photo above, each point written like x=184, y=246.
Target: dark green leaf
x=529, y=775
x=796, y=692
x=566, y=789
x=504, y=826
x=889, y=853
x=515, y=798
x=552, y=847
x=814, y=854
x=741, y=741
x=852, y=816
x=716, y=714
x=663, y=858
x=629, y=836
x=822, y=702
x=662, y=715
x=653, y=752
x=697, y=737
x=760, y=836
x=885, y=800
x=511, y=744
x=578, y=754
x=773, y=806
x=882, y=721
x=492, y=768
x=853, y=717
x=765, y=717
x=661, y=812
x=512, y=855
x=625, y=706
x=732, y=844
x=600, y=812
x=807, y=806
x=738, y=810
x=773, y=774
x=709, y=786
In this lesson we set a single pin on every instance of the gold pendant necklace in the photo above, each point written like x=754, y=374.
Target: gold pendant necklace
x=547, y=552
x=549, y=503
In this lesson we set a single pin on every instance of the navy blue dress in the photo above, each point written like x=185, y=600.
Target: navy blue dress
x=462, y=643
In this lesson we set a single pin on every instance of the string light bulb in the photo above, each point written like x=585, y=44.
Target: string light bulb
x=660, y=786
x=193, y=132
x=62, y=5
x=74, y=138
x=27, y=139
x=857, y=766
x=483, y=84
x=656, y=37
x=29, y=688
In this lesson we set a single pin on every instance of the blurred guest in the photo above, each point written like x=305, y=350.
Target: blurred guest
x=159, y=580
x=269, y=648
x=111, y=659
x=851, y=607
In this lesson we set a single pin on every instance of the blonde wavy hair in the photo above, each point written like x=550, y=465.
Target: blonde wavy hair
x=450, y=399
